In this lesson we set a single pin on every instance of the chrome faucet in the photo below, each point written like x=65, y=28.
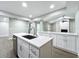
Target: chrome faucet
x=29, y=28
x=32, y=28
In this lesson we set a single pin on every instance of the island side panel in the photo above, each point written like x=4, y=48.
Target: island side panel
x=15, y=45
x=46, y=50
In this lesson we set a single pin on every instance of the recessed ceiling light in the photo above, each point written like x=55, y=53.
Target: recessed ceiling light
x=52, y=6
x=30, y=16
x=24, y=4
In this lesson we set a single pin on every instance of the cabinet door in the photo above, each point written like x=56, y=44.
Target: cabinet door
x=19, y=50
x=64, y=41
x=34, y=52
x=71, y=43
x=54, y=40
x=59, y=41
x=33, y=56
x=25, y=51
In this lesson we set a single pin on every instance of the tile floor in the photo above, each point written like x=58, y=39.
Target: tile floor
x=6, y=50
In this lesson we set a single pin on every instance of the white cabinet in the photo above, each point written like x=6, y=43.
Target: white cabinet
x=34, y=51
x=54, y=39
x=59, y=41
x=23, y=49
x=19, y=50
x=66, y=42
x=71, y=43
x=27, y=50
x=43, y=52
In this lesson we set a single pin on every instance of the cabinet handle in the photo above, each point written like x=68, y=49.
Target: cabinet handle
x=20, y=48
x=29, y=55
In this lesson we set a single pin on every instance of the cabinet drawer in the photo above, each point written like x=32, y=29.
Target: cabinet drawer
x=34, y=50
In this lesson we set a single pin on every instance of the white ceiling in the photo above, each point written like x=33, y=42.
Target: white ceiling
x=35, y=8
x=71, y=8
x=54, y=15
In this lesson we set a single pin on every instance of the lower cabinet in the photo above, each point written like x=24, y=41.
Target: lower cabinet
x=66, y=42
x=19, y=50
x=15, y=44
x=44, y=51
x=54, y=40
x=27, y=50
x=60, y=42
x=71, y=43
x=23, y=49
x=34, y=52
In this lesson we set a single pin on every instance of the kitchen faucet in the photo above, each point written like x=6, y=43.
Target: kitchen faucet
x=31, y=27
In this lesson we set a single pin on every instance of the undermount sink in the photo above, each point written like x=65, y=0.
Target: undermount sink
x=29, y=37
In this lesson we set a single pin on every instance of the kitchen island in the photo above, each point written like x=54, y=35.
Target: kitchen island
x=39, y=47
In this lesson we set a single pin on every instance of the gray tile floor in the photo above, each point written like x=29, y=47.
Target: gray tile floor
x=6, y=50
x=58, y=53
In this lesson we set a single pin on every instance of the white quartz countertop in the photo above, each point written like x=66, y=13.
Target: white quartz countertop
x=38, y=42
x=61, y=33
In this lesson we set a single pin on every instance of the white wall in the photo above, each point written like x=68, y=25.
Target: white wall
x=77, y=22
x=72, y=8
x=77, y=29
x=17, y=26
x=58, y=26
x=13, y=25
x=72, y=26
x=53, y=27
x=45, y=26
x=40, y=27
x=4, y=27
x=8, y=26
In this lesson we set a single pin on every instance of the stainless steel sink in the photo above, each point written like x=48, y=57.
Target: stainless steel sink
x=29, y=37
